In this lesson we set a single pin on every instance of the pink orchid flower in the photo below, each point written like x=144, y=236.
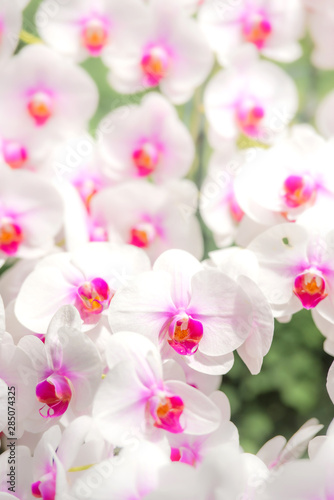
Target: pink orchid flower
x=149, y=141
x=87, y=278
x=135, y=396
x=272, y=27
x=21, y=149
x=200, y=315
x=67, y=366
x=81, y=29
x=296, y=269
x=158, y=54
x=30, y=214
x=251, y=97
x=44, y=98
x=299, y=183
x=154, y=218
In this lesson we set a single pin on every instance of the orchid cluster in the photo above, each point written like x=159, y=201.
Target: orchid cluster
x=117, y=320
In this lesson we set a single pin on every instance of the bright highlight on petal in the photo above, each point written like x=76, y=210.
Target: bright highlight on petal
x=256, y=28
x=298, y=190
x=146, y=158
x=310, y=288
x=249, y=115
x=166, y=412
x=94, y=35
x=155, y=64
x=185, y=334
x=11, y=236
x=93, y=297
x=143, y=234
x=15, y=155
x=40, y=106
x=56, y=393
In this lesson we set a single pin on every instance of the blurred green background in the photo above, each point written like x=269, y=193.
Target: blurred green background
x=291, y=386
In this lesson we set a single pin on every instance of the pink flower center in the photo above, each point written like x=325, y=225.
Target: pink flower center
x=146, y=158
x=55, y=393
x=40, y=336
x=298, y=190
x=87, y=187
x=143, y=234
x=14, y=154
x=256, y=28
x=249, y=116
x=94, y=35
x=185, y=334
x=40, y=107
x=310, y=288
x=93, y=297
x=184, y=455
x=166, y=412
x=45, y=488
x=11, y=236
x=155, y=64
x=97, y=232
x=235, y=209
